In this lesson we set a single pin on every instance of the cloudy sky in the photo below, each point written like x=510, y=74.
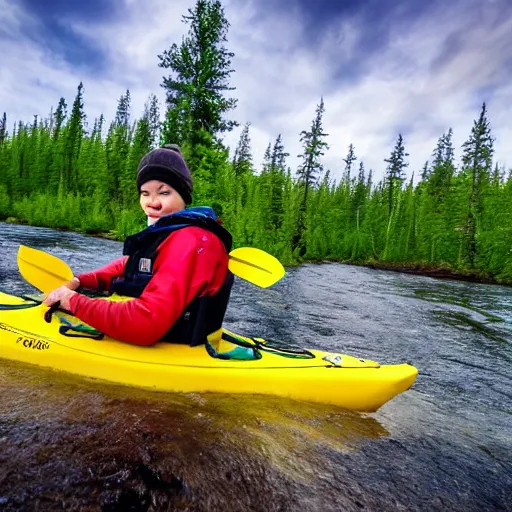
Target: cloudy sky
x=382, y=67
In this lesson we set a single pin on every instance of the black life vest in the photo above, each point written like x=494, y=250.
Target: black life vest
x=204, y=314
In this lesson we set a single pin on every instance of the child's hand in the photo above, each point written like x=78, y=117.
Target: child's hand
x=74, y=284
x=61, y=294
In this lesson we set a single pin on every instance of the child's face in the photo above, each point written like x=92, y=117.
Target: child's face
x=158, y=199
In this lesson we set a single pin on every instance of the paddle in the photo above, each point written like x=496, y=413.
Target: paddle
x=42, y=270
x=47, y=272
x=256, y=266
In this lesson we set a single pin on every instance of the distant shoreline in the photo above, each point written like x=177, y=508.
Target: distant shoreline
x=434, y=271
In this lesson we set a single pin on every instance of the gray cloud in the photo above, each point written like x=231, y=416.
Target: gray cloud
x=48, y=25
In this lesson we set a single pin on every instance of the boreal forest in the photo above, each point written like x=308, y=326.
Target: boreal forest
x=67, y=171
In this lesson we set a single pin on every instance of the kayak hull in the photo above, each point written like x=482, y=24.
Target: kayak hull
x=357, y=384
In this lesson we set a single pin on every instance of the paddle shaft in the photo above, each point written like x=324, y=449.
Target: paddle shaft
x=46, y=272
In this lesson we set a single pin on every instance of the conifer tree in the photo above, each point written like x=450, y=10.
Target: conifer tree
x=359, y=198
x=263, y=195
x=72, y=142
x=314, y=146
x=267, y=158
x=152, y=114
x=501, y=262
x=57, y=163
x=439, y=179
x=3, y=128
x=43, y=154
x=477, y=165
x=343, y=210
x=143, y=141
x=425, y=172
x=436, y=214
x=5, y=157
x=30, y=155
x=277, y=180
x=176, y=126
x=17, y=173
x=200, y=69
x=242, y=167
x=242, y=160
x=60, y=116
x=395, y=173
x=123, y=110
x=120, y=136
x=349, y=161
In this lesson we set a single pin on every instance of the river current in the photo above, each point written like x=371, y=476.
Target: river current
x=68, y=443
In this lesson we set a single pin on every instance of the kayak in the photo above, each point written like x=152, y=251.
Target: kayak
x=229, y=363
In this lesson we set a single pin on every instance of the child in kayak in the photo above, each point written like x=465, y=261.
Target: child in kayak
x=176, y=269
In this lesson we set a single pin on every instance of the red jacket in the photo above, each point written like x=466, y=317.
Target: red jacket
x=191, y=262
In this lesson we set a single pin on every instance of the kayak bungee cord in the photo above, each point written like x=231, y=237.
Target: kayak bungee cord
x=33, y=303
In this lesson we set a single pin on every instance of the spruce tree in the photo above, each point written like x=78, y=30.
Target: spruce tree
x=277, y=181
x=349, y=161
x=267, y=158
x=242, y=167
x=395, y=173
x=60, y=116
x=118, y=162
x=358, y=199
x=477, y=165
x=200, y=68
x=152, y=114
x=425, y=171
x=123, y=110
x=314, y=146
x=72, y=142
x=440, y=176
x=143, y=141
x=242, y=159
x=3, y=128
x=176, y=126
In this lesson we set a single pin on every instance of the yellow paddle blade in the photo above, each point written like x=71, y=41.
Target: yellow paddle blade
x=256, y=266
x=42, y=270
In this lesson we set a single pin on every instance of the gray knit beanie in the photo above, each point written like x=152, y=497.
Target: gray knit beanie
x=166, y=164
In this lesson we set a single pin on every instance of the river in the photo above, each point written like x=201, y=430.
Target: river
x=68, y=443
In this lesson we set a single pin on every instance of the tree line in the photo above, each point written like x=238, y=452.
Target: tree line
x=62, y=172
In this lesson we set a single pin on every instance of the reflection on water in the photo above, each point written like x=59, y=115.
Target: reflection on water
x=125, y=445
x=67, y=442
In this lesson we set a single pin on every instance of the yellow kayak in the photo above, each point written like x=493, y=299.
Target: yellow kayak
x=221, y=367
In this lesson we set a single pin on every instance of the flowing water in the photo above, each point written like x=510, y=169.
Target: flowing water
x=68, y=443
